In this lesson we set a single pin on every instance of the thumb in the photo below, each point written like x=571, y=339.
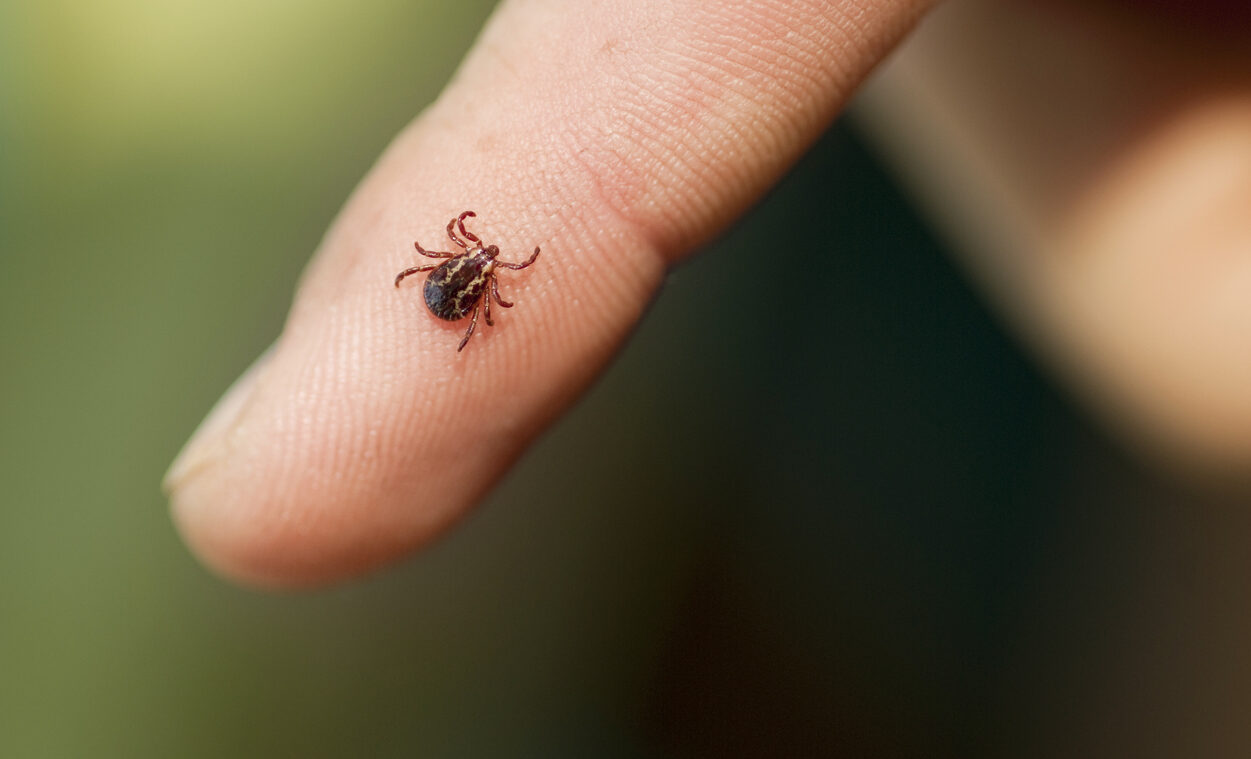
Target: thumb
x=616, y=139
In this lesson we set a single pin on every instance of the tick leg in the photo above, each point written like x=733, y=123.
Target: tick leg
x=413, y=270
x=460, y=220
x=486, y=304
x=430, y=253
x=495, y=290
x=529, y=261
x=470, y=236
x=473, y=322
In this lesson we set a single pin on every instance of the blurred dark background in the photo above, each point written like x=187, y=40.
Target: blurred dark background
x=858, y=523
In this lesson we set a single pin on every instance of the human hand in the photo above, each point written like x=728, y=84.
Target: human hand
x=617, y=138
x=1094, y=161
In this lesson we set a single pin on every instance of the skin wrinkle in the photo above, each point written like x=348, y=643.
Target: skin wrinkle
x=662, y=166
x=604, y=184
x=626, y=191
x=622, y=117
x=715, y=64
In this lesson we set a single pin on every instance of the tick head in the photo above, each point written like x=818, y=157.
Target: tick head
x=491, y=251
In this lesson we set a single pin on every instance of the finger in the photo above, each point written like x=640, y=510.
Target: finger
x=615, y=139
x=1103, y=196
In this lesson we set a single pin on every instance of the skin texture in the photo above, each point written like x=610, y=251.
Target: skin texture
x=618, y=139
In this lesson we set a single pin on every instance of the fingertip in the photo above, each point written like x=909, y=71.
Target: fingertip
x=268, y=545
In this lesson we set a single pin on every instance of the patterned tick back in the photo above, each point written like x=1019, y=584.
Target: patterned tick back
x=459, y=286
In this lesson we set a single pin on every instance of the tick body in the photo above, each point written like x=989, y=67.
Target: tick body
x=466, y=282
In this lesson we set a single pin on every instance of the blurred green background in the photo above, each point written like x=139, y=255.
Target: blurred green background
x=864, y=527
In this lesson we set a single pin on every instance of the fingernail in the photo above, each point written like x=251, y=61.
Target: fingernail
x=211, y=440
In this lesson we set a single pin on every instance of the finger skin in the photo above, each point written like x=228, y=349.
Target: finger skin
x=616, y=139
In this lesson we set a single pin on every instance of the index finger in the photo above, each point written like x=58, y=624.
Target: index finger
x=616, y=139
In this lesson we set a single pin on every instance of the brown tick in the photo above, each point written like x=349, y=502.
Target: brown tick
x=466, y=281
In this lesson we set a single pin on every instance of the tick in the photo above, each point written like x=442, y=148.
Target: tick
x=465, y=282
